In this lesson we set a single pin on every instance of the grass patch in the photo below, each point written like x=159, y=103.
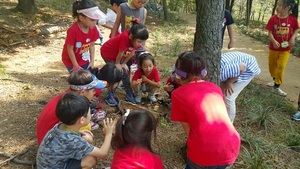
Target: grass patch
x=2, y=70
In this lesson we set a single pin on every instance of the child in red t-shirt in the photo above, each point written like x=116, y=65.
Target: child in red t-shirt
x=120, y=50
x=146, y=78
x=199, y=106
x=132, y=141
x=79, y=48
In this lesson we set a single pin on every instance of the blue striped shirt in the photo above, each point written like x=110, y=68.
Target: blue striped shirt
x=230, y=66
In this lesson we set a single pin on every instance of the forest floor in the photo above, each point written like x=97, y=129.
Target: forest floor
x=33, y=74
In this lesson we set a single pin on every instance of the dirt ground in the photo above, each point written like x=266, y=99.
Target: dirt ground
x=34, y=74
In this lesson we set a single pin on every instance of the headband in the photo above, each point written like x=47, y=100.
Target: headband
x=99, y=84
x=184, y=74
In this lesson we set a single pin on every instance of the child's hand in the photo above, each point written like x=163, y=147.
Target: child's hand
x=139, y=81
x=169, y=87
x=91, y=65
x=125, y=67
x=109, y=126
x=144, y=79
x=119, y=67
x=276, y=44
x=75, y=68
x=292, y=42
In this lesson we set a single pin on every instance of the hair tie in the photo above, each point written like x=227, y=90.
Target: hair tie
x=203, y=72
x=125, y=115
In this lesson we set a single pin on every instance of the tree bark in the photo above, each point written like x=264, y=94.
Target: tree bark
x=165, y=7
x=208, y=36
x=26, y=6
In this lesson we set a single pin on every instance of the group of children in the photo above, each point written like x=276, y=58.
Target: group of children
x=64, y=125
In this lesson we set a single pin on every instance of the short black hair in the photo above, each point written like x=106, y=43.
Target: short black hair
x=71, y=107
x=138, y=31
x=118, y=2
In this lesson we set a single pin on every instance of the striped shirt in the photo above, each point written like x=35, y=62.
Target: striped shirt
x=230, y=66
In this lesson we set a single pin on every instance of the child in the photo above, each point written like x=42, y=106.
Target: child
x=63, y=147
x=120, y=50
x=127, y=12
x=146, y=78
x=296, y=116
x=228, y=22
x=171, y=84
x=132, y=141
x=109, y=20
x=79, y=48
x=84, y=80
x=283, y=29
x=212, y=141
x=236, y=72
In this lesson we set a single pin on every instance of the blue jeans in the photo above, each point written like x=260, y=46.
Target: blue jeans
x=83, y=67
x=191, y=165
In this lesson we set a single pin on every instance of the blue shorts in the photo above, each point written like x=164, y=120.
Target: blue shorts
x=73, y=164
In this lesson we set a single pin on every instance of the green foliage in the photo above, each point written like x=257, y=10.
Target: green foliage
x=2, y=70
x=176, y=47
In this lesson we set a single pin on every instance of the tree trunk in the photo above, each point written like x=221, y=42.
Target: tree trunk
x=231, y=6
x=26, y=6
x=274, y=7
x=248, y=11
x=227, y=5
x=208, y=36
x=165, y=7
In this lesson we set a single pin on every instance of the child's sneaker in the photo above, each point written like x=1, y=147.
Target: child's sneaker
x=280, y=92
x=152, y=99
x=98, y=116
x=94, y=126
x=138, y=99
x=296, y=116
x=129, y=98
x=270, y=84
x=110, y=99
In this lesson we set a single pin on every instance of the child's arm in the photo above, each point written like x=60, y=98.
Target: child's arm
x=228, y=84
x=92, y=57
x=150, y=82
x=145, y=15
x=108, y=129
x=292, y=39
x=73, y=58
x=272, y=39
x=117, y=23
x=230, y=34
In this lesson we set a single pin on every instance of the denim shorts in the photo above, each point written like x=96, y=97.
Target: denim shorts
x=73, y=164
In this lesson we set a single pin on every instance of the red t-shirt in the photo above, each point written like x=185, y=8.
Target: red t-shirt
x=154, y=75
x=212, y=139
x=110, y=49
x=135, y=158
x=47, y=119
x=81, y=43
x=282, y=29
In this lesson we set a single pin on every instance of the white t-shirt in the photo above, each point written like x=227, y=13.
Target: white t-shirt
x=110, y=19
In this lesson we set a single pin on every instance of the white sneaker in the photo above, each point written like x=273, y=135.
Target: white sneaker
x=270, y=84
x=94, y=126
x=280, y=92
